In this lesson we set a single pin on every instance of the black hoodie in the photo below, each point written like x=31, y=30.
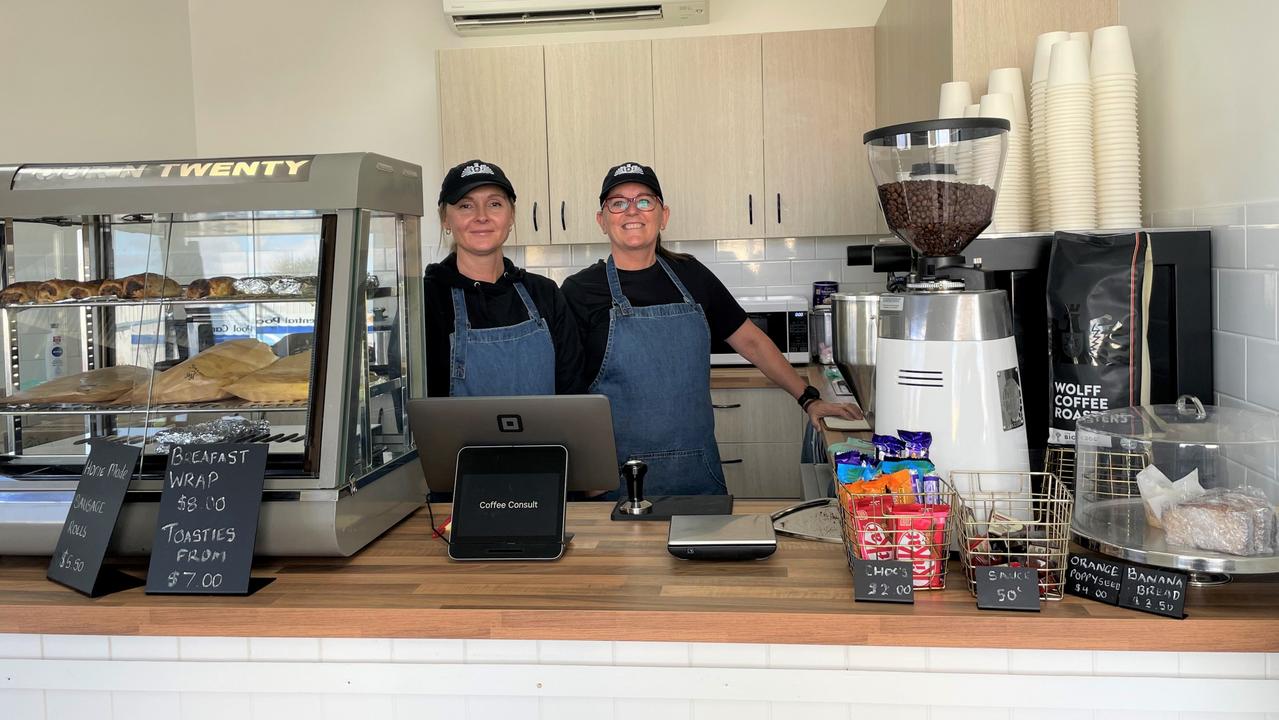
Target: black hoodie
x=491, y=305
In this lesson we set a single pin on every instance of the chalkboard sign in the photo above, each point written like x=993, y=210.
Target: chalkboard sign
x=1154, y=591
x=1094, y=578
x=883, y=581
x=208, y=520
x=77, y=558
x=1007, y=588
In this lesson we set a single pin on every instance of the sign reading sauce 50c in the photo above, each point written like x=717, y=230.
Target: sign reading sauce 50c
x=208, y=520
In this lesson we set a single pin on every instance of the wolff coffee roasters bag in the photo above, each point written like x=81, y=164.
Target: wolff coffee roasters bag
x=1098, y=297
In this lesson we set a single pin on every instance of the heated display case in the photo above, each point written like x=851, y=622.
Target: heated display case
x=263, y=299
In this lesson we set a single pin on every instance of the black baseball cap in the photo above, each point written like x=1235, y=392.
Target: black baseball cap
x=465, y=177
x=631, y=172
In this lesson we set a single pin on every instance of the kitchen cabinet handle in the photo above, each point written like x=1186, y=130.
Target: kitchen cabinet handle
x=750, y=208
x=731, y=462
x=562, y=225
x=534, y=216
x=726, y=406
x=779, y=208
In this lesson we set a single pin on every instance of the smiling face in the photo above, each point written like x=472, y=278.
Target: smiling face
x=481, y=221
x=633, y=229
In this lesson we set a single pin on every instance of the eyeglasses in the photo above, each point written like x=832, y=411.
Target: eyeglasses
x=618, y=204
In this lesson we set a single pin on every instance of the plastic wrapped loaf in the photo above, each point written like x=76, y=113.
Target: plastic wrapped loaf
x=1238, y=522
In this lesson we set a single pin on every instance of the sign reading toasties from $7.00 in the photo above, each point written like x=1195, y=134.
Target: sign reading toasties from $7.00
x=208, y=520
x=166, y=173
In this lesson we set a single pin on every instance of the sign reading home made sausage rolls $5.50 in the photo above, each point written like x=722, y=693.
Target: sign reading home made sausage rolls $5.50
x=208, y=520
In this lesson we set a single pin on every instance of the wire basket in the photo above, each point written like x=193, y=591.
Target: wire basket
x=1020, y=519
x=898, y=526
x=1060, y=461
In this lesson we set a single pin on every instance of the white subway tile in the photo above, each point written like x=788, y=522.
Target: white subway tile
x=565, y=708
x=1263, y=359
x=800, y=291
x=790, y=249
x=506, y=708
x=967, y=660
x=1272, y=666
x=213, y=648
x=728, y=655
x=566, y=652
x=76, y=647
x=514, y=253
x=1228, y=352
x=1050, y=662
x=1229, y=246
x=834, y=248
x=284, y=649
x=655, y=654
x=818, y=657
x=356, y=707
x=1223, y=665
x=587, y=253
x=807, y=271
x=858, y=711
x=549, y=255
x=968, y=713
x=1220, y=716
x=642, y=709
x=76, y=704
x=18, y=646
x=860, y=274
x=1219, y=215
x=1263, y=213
x=1173, y=218
x=22, y=704
x=1160, y=664
x=741, y=292
x=887, y=658
x=1262, y=248
x=729, y=273
x=808, y=711
x=216, y=706
x=273, y=706
x=769, y=272
x=560, y=274
x=539, y=270
x=138, y=647
x=1233, y=402
x=501, y=651
x=1247, y=302
x=145, y=705
x=430, y=707
x=703, y=250
x=431, y=651
x=1042, y=714
x=355, y=650
x=739, y=250
x=729, y=710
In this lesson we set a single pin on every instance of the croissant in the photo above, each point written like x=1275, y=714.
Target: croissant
x=54, y=290
x=220, y=286
x=19, y=292
x=150, y=285
x=112, y=287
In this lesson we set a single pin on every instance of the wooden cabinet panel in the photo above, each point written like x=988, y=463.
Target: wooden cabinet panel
x=757, y=415
x=493, y=106
x=708, y=127
x=599, y=113
x=759, y=470
x=819, y=97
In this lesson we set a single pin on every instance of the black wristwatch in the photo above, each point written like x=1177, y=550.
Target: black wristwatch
x=809, y=395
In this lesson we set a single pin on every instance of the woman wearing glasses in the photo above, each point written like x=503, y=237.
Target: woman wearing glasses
x=491, y=328
x=647, y=316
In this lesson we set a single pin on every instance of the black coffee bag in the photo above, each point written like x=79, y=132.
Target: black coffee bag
x=1098, y=297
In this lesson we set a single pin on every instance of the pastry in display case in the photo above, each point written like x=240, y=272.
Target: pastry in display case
x=261, y=299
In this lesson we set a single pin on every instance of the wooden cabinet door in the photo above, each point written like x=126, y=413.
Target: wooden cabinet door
x=599, y=113
x=493, y=106
x=708, y=123
x=750, y=415
x=762, y=470
x=819, y=97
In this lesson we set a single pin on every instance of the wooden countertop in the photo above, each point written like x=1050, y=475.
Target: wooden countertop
x=738, y=378
x=617, y=582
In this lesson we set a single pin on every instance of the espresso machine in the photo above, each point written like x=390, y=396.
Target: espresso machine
x=946, y=356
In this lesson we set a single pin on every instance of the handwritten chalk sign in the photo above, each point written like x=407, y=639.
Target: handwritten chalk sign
x=883, y=581
x=208, y=520
x=1007, y=588
x=1154, y=591
x=77, y=558
x=1094, y=578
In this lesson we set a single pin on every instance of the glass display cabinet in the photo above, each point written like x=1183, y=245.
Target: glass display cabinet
x=262, y=299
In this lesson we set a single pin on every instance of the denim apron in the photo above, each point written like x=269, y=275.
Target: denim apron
x=513, y=360
x=656, y=373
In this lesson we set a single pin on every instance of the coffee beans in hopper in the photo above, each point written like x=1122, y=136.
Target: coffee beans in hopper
x=937, y=217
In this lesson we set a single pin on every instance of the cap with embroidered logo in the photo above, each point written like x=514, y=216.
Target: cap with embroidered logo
x=630, y=172
x=465, y=177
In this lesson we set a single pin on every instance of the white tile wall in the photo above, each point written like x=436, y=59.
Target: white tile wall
x=216, y=706
x=808, y=711
x=13, y=646
x=562, y=652
x=722, y=655
x=1223, y=665
x=22, y=704
x=76, y=705
x=298, y=649
x=439, y=651
x=501, y=651
x=643, y=709
x=506, y=708
x=136, y=647
x=213, y=648
x=818, y=657
x=577, y=708
x=77, y=647
x=356, y=707
x=729, y=710
x=355, y=650
x=145, y=705
x=422, y=707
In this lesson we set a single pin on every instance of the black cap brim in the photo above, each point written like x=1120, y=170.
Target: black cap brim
x=461, y=192
x=614, y=181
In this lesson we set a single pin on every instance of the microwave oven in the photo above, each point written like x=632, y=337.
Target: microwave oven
x=783, y=318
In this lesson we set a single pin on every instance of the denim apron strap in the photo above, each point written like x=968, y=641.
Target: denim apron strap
x=517, y=359
x=615, y=287
x=683, y=291
x=461, y=326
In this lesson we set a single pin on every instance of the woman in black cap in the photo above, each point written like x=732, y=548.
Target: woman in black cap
x=491, y=328
x=647, y=316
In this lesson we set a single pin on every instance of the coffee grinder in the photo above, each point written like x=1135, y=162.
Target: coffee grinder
x=946, y=359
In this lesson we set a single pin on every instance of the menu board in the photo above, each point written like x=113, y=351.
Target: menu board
x=208, y=520
x=82, y=544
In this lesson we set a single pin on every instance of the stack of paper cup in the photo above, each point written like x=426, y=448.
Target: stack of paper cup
x=955, y=96
x=1083, y=37
x=1116, y=149
x=1071, y=173
x=1018, y=169
x=973, y=110
x=1039, y=126
x=1013, y=204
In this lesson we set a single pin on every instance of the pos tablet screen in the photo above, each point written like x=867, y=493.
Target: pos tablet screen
x=509, y=503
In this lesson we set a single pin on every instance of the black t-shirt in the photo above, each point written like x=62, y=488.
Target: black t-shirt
x=492, y=305
x=588, y=297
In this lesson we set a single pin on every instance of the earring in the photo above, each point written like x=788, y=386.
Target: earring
x=447, y=231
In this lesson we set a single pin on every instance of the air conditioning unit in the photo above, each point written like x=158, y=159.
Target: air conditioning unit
x=504, y=17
